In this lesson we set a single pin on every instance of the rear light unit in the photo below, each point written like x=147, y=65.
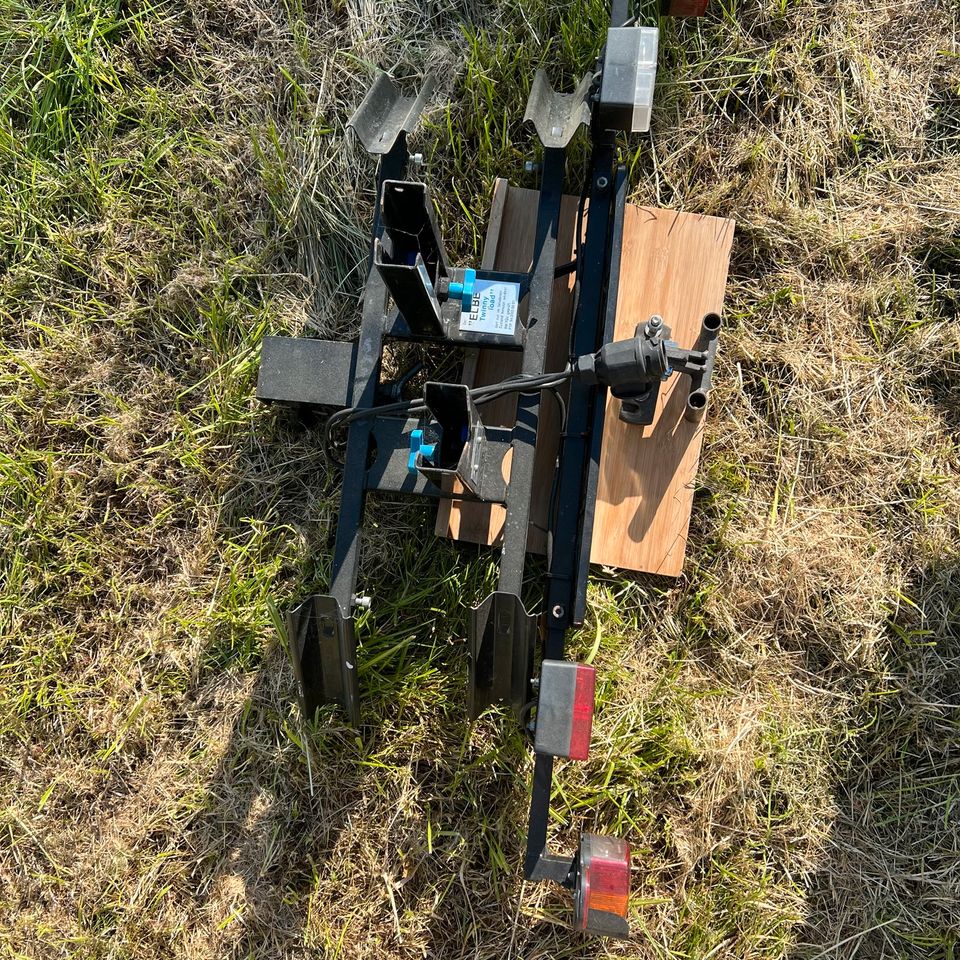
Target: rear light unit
x=686, y=8
x=601, y=886
x=565, y=709
x=629, y=76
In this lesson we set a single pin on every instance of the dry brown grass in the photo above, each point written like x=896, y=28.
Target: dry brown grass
x=778, y=730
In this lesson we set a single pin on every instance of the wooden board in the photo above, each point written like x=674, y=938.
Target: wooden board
x=509, y=247
x=674, y=264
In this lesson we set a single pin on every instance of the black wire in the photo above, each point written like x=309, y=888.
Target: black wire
x=553, y=390
x=521, y=383
x=562, y=404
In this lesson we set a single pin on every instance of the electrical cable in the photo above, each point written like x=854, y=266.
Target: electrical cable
x=578, y=243
x=521, y=383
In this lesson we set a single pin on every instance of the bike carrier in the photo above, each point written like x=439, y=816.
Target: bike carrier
x=440, y=447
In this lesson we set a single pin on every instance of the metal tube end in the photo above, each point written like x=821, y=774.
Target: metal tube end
x=711, y=325
x=696, y=406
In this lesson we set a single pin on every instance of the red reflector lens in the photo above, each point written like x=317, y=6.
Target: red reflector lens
x=602, y=893
x=609, y=887
x=583, y=699
x=565, y=709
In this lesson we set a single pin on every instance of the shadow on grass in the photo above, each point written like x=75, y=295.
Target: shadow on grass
x=891, y=884
x=390, y=838
x=402, y=838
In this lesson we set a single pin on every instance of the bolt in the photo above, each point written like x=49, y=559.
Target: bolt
x=531, y=167
x=417, y=159
x=362, y=602
x=654, y=328
x=557, y=612
x=603, y=183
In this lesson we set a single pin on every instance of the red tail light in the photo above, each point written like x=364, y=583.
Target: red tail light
x=565, y=709
x=602, y=886
x=583, y=699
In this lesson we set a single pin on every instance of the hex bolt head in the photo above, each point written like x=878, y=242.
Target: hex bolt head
x=654, y=325
x=531, y=167
x=417, y=159
x=362, y=602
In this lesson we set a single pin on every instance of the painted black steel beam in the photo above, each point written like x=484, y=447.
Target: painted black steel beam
x=513, y=553
x=587, y=335
x=346, y=551
x=620, y=12
x=600, y=400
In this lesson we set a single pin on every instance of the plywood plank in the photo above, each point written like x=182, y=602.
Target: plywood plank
x=674, y=264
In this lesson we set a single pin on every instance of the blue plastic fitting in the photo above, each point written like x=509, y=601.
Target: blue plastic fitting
x=469, y=279
x=418, y=446
x=463, y=290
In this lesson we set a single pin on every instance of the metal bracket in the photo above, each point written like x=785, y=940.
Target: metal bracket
x=701, y=374
x=460, y=451
x=324, y=653
x=410, y=254
x=640, y=410
x=453, y=309
x=557, y=116
x=502, y=639
x=389, y=472
x=555, y=867
x=306, y=371
x=384, y=114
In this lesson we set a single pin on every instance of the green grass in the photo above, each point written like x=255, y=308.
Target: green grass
x=776, y=730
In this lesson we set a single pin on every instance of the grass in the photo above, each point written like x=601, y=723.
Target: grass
x=777, y=730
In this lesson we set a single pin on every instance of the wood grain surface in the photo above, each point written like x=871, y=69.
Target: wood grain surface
x=674, y=264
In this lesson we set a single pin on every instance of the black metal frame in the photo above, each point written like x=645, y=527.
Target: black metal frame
x=571, y=528
x=407, y=277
